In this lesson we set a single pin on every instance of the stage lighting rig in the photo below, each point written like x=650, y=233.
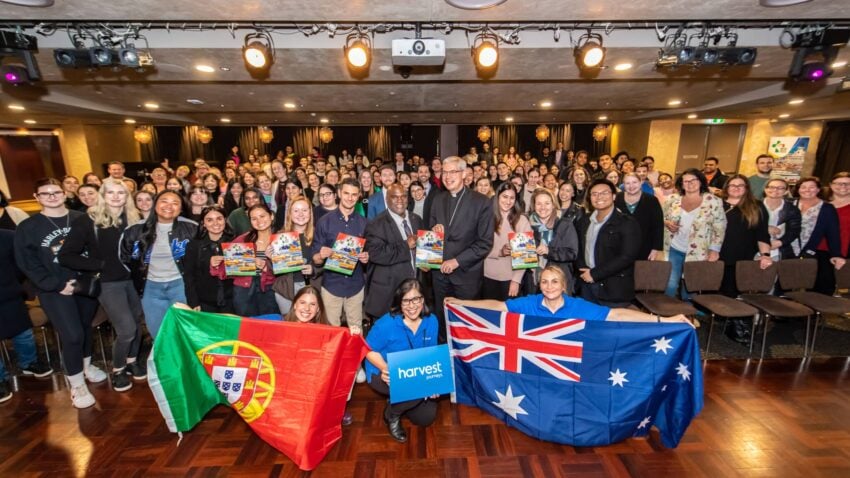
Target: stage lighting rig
x=358, y=51
x=17, y=58
x=258, y=54
x=678, y=51
x=485, y=53
x=815, y=51
x=589, y=52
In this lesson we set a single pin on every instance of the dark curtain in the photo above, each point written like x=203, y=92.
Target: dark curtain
x=524, y=138
x=249, y=139
x=503, y=137
x=582, y=139
x=305, y=139
x=150, y=151
x=191, y=147
x=833, y=154
x=380, y=143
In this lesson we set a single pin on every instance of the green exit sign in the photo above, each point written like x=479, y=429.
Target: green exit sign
x=716, y=121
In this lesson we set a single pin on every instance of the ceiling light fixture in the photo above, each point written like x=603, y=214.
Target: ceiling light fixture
x=151, y=105
x=674, y=102
x=130, y=121
x=839, y=64
x=784, y=115
x=30, y=121
x=589, y=52
x=225, y=120
x=16, y=107
x=20, y=49
x=475, y=4
x=546, y=104
x=781, y=3
x=289, y=105
x=600, y=132
x=324, y=121
x=542, y=133
x=484, y=134
x=204, y=68
x=509, y=119
x=326, y=134
x=258, y=53
x=623, y=66
x=266, y=135
x=603, y=118
x=797, y=101
x=485, y=54
x=143, y=134
x=692, y=116
x=358, y=52
x=204, y=134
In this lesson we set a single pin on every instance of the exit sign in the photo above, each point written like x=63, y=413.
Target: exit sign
x=716, y=121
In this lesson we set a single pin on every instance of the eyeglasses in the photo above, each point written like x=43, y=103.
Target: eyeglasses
x=841, y=185
x=50, y=194
x=324, y=195
x=600, y=194
x=690, y=181
x=776, y=188
x=452, y=172
x=412, y=301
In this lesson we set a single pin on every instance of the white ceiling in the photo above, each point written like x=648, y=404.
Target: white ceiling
x=310, y=69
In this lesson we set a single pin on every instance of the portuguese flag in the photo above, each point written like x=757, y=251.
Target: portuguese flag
x=289, y=381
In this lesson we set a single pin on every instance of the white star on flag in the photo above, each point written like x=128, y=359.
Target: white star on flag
x=617, y=378
x=664, y=388
x=662, y=344
x=644, y=422
x=682, y=370
x=510, y=403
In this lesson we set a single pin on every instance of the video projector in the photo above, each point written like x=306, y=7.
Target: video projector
x=419, y=52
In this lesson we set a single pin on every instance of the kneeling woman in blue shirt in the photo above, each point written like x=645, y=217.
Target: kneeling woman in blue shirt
x=555, y=303
x=408, y=325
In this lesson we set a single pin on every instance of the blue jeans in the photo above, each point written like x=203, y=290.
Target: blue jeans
x=677, y=260
x=24, y=344
x=158, y=297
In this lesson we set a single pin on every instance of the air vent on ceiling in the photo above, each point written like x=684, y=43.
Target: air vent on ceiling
x=194, y=101
x=30, y=3
x=475, y=4
x=781, y=3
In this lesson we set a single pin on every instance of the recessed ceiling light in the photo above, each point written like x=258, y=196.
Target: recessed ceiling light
x=385, y=68
x=692, y=116
x=839, y=64
x=674, y=102
x=509, y=119
x=323, y=120
x=545, y=104
x=130, y=121
x=796, y=101
x=194, y=101
x=16, y=107
x=29, y=121
x=224, y=68
x=225, y=120
x=784, y=115
x=623, y=66
x=204, y=68
x=773, y=120
x=151, y=106
x=603, y=118
x=289, y=105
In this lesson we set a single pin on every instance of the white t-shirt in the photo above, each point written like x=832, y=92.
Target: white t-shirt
x=162, y=267
x=680, y=239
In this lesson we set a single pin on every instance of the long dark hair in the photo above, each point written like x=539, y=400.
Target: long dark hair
x=230, y=204
x=321, y=318
x=514, y=214
x=202, y=231
x=749, y=206
x=406, y=286
x=252, y=234
x=148, y=236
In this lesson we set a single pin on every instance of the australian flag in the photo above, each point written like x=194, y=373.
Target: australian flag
x=577, y=382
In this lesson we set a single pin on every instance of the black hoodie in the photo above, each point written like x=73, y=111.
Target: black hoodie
x=38, y=240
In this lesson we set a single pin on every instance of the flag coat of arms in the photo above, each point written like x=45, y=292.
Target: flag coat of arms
x=288, y=381
x=577, y=382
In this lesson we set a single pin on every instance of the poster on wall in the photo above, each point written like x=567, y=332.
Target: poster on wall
x=788, y=153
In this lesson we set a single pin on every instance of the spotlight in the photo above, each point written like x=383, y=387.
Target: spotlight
x=102, y=56
x=589, y=52
x=258, y=54
x=66, y=58
x=812, y=64
x=20, y=49
x=129, y=57
x=14, y=74
x=485, y=53
x=705, y=55
x=358, y=51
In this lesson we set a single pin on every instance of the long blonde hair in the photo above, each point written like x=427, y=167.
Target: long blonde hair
x=100, y=214
x=308, y=228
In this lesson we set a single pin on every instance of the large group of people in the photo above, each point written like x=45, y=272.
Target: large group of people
x=158, y=243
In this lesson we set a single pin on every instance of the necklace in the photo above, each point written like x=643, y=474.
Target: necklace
x=67, y=221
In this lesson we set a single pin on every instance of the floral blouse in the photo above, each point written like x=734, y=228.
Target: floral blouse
x=708, y=228
x=810, y=218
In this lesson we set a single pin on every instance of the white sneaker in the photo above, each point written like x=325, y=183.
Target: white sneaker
x=81, y=397
x=94, y=374
x=361, y=376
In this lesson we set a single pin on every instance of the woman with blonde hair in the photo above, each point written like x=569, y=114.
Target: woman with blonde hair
x=299, y=219
x=92, y=248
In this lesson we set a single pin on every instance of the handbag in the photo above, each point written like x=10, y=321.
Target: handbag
x=87, y=285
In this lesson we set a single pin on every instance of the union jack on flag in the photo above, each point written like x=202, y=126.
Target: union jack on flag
x=516, y=339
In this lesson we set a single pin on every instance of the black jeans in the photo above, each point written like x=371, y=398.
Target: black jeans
x=251, y=301
x=442, y=289
x=71, y=316
x=124, y=309
x=495, y=289
x=420, y=412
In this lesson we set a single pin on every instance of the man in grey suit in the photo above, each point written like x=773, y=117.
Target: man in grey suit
x=391, y=244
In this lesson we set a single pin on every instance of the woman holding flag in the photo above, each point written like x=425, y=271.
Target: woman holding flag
x=408, y=325
x=553, y=302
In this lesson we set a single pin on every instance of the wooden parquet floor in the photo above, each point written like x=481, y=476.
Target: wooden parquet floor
x=774, y=419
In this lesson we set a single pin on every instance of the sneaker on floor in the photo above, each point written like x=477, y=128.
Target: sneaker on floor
x=361, y=376
x=81, y=397
x=137, y=370
x=37, y=369
x=347, y=419
x=5, y=391
x=120, y=381
x=94, y=374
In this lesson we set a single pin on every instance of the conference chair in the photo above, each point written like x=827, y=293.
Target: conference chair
x=651, y=279
x=703, y=279
x=797, y=276
x=755, y=285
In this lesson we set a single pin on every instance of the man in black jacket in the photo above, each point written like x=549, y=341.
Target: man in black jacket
x=716, y=178
x=391, y=244
x=610, y=242
x=466, y=220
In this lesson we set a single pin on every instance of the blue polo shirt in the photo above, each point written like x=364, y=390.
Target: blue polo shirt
x=389, y=334
x=327, y=228
x=573, y=308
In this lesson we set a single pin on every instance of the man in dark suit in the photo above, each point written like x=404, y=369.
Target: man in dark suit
x=391, y=244
x=610, y=244
x=400, y=165
x=378, y=201
x=430, y=192
x=466, y=220
x=546, y=157
x=559, y=156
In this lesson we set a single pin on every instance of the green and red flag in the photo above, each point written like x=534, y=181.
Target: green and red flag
x=288, y=381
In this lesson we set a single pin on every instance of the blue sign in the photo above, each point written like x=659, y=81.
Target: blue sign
x=420, y=373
